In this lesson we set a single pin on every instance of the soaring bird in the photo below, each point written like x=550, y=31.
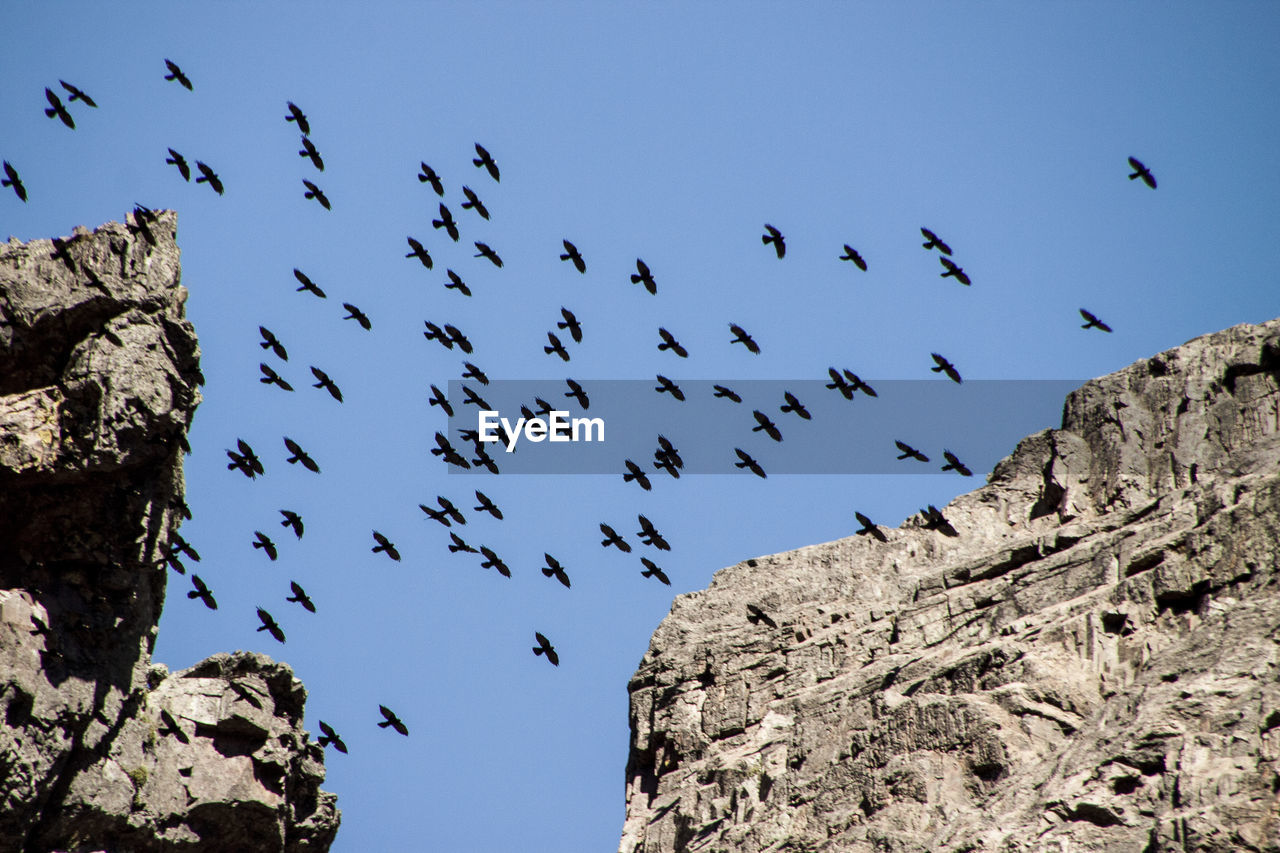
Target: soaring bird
x=458, y=338
x=612, y=538
x=493, y=561
x=487, y=505
x=427, y=175
x=570, y=323
x=869, y=527
x=210, y=177
x=748, y=462
x=740, y=336
x=435, y=333
x=184, y=547
x=390, y=719
x=300, y=456
x=330, y=736
x=436, y=515
x=934, y=242
x=385, y=544
x=270, y=377
x=296, y=115
x=175, y=73
x=668, y=451
x=459, y=544
x=178, y=160
x=651, y=570
x=484, y=460
x=307, y=283
x=556, y=347
x=11, y=179
x=486, y=161
x=446, y=222
x=446, y=450
x=575, y=391
x=544, y=646
x=666, y=386
x=473, y=202
x=300, y=596
x=456, y=283
x=246, y=461
x=665, y=463
x=77, y=94
x=326, y=383
x=483, y=251
x=309, y=150
x=262, y=541
x=475, y=399
x=944, y=366
x=354, y=313
x=202, y=592
x=473, y=372
x=1139, y=171
x=775, y=237
x=858, y=385
x=649, y=535
x=643, y=276
x=417, y=250
x=269, y=624
x=669, y=342
x=56, y=108
x=954, y=464
x=447, y=506
x=794, y=405
x=555, y=570
x=315, y=192
x=763, y=423
x=953, y=270
x=439, y=399
x=851, y=254
x=635, y=472
x=292, y=520
x=909, y=452
x=726, y=393
x=1093, y=322
x=271, y=342
x=571, y=253
x=838, y=383
x=755, y=616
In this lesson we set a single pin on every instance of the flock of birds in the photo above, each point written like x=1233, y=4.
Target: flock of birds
x=666, y=456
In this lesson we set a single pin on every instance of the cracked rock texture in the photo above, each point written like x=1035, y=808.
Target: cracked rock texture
x=1084, y=656
x=102, y=750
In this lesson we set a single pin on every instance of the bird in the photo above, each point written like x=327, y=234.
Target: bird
x=446, y=222
x=452, y=511
x=544, y=647
x=300, y=455
x=56, y=108
x=838, y=383
x=954, y=464
x=651, y=570
x=485, y=252
x=794, y=405
x=669, y=342
x=11, y=179
x=181, y=162
x=309, y=150
x=667, y=450
x=446, y=450
x=419, y=251
x=269, y=625
x=935, y=520
x=726, y=393
x=934, y=242
x=427, y=175
x=741, y=337
x=484, y=460
x=612, y=538
x=438, y=399
x=270, y=377
x=571, y=253
x=459, y=545
x=755, y=616
x=436, y=515
x=307, y=283
x=473, y=372
x=1093, y=322
x=330, y=737
x=851, y=254
x=649, y=535
x=553, y=569
x=210, y=177
x=775, y=237
x=749, y=463
x=390, y=719
x=202, y=592
x=458, y=338
x=77, y=94
x=354, y=313
x=556, y=347
x=570, y=323
x=643, y=276
x=952, y=270
x=1139, y=171
x=473, y=202
x=493, y=561
x=635, y=472
x=869, y=527
x=297, y=116
x=184, y=547
x=575, y=391
x=487, y=505
x=263, y=542
x=175, y=73
x=435, y=333
x=245, y=460
x=944, y=366
x=301, y=597
x=857, y=384
x=326, y=383
x=763, y=423
x=909, y=452
x=292, y=520
x=474, y=398
x=271, y=342
x=386, y=545
x=456, y=283
x=486, y=161
x=315, y=192
x=664, y=463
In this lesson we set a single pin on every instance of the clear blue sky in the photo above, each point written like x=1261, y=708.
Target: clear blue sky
x=670, y=132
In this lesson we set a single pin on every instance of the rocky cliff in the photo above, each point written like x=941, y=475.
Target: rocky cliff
x=1084, y=654
x=101, y=749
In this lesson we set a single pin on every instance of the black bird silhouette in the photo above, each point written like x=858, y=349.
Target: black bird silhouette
x=635, y=472
x=794, y=405
x=571, y=323
x=11, y=179
x=669, y=387
x=315, y=192
x=458, y=338
x=438, y=399
x=446, y=450
x=484, y=460
x=419, y=251
x=953, y=270
x=262, y=541
x=575, y=391
x=460, y=545
x=452, y=511
x=755, y=616
x=300, y=455
x=857, y=384
x=307, y=284
x=473, y=372
x=775, y=237
x=556, y=347
x=728, y=394
x=184, y=547
x=664, y=463
x=309, y=150
x=851, y=254
x=56, y=108
x=555, y=570
x=390, y=719
x=456, y=283
x=749, y=463
x=77, y=94
x=934, y=242
x=296, y=115
x=935, y=520
x=763, y=423
x=435, y=333
x=292, y=520
x=385, y=544
x=869, y=527
x=446, y=222
x=301, y=597
x=473, y=202
x=644, y=277
x=1139, y=171
x=649, y=535
x=436, y=514
x=909, y=452
x=944, y=366
x=169, y=557
x=269, y=625
x=202, y=592
x=1093, y=322
x=740, y=336
x=270, y=377
x=427, y=175
x=210, y=177
x=330, y=736
x=571, y=253
x=485, y=252
x=486, y=161
x=271, y=342
x=669, y=342
x=651, y=570
x=487, y=505
x=181, y=162
x=544, y=646
x=354, y=313
x=612, y=538
x=838, y=383
x=474, y=398
x=326, y=383
x=175, y=73
x=544, y=408
x=493, y=561
x=954, y=464
x=668, y=451
x=245, y=460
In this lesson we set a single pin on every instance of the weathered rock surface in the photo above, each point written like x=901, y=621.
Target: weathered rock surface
x=1086, y=656
x=101, y=749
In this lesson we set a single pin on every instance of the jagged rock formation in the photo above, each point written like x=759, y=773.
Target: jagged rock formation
x=101, y=749
x=1085, y=655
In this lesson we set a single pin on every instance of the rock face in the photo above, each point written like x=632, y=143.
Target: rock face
x=101, y=749
x=1084, y=654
